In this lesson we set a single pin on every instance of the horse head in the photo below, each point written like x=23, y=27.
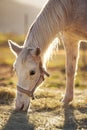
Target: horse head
x=30, y=73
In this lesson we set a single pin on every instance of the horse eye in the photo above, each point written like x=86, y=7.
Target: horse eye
x=32, y=72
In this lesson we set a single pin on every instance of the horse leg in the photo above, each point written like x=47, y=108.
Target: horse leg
x=72, y=53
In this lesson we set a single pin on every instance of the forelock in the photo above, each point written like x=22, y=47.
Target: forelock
x=25, y=54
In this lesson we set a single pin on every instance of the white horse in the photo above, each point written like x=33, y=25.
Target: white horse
x=65, y=17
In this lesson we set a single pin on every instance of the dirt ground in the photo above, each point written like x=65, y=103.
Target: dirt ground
x=46, y=111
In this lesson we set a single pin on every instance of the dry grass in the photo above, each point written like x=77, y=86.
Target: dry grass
x=6, y=95
x=47, y=113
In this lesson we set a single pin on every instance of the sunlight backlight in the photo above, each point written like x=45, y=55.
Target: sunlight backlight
x=37, y=3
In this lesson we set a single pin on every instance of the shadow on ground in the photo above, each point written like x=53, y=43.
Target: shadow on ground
x=75, y=118
x=18, y=121
x=70, y=122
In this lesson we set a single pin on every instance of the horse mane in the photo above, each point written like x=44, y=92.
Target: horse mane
x=51, y=20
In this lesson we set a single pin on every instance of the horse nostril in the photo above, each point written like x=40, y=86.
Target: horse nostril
x=22, y=107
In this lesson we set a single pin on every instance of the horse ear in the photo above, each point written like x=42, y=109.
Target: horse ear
x=37, y=51
x=16, y=49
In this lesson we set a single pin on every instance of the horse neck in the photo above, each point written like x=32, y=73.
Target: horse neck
x=47, y=25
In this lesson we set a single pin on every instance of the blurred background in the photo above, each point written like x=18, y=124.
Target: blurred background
x=16, y=16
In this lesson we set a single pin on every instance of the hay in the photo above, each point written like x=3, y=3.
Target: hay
x=6, y=95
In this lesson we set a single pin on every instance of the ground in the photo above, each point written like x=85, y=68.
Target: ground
x=46, y=112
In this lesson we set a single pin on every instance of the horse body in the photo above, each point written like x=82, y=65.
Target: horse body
x=65, y=17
